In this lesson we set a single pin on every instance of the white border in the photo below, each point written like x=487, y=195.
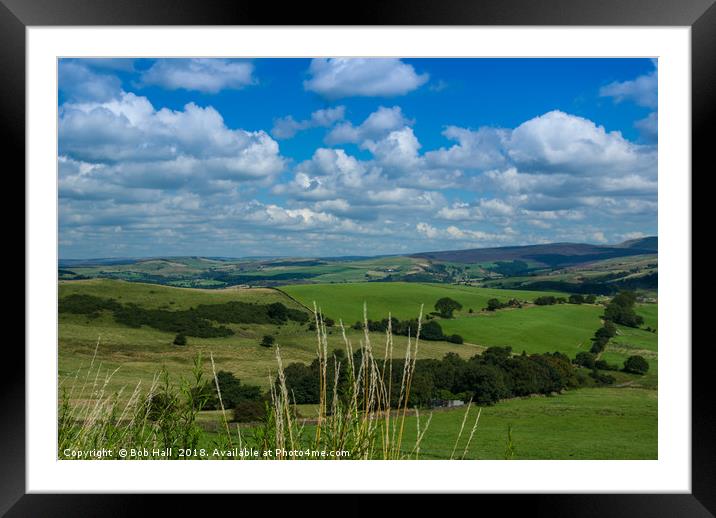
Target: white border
x=670, y=473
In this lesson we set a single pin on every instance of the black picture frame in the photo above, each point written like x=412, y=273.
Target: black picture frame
x=700, y=15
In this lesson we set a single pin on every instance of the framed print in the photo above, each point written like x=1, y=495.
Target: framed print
x=426, y=245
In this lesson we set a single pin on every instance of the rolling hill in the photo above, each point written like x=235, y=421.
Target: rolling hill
x=552, y=254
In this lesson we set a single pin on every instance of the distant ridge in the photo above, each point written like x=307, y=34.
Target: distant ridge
x=552, y=254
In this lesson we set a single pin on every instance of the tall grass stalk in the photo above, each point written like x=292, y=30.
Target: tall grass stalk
x=359, y=410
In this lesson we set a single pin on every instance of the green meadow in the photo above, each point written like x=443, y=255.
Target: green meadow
x=578, y=424
x=401, y=299
x=536, y=329
x=139, y=353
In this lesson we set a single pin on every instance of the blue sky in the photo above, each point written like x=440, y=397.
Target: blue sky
x=301, y=157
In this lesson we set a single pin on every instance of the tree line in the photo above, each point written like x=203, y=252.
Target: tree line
x=197, y=321
x=485, y=378
x=430, y=330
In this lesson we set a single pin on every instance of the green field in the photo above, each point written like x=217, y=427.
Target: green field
x=579, y=424
x=599, y=423
x=536, y=329
x=141, y=353
x=401, y=299
x=588, y=423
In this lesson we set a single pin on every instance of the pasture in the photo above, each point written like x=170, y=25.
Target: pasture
x=536, y=329
x=576, y=425
x=579, y=424
x=401, y=299
x=139, y=353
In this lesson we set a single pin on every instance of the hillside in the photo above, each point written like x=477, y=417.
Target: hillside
x=553, y=254
x=569, y=267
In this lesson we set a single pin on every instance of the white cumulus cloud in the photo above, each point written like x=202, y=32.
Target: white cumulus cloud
x=377, y=125
x=202, y=75
x=362, y=77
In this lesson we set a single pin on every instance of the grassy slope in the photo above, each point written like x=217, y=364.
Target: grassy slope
x=579, y=424
x=140, y=353
x=157, y=296
x=630, y=341
x=401, y=299
x=565, y=327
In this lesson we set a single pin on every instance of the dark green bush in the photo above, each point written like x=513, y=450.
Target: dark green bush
x=585, y=359
x=621, y=310
x=250, y=412
x=636, y=365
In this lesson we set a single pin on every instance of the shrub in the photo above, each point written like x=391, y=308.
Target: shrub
x=493, y=304
x=233, y=392
x=250, y=412
x=601, y=379
x=431, y=331
x=585, y=359
x=546, y=300
x=636, y=365
x=267, y=341
x=603, y=365
x=598, y=345
x=277, y=311
x=576, y=299
x=180, y=339
x=455, y=339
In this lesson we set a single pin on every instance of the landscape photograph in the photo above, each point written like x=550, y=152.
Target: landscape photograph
x=357, y=259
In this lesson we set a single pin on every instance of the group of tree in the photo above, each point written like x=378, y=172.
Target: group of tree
x=549, y=300
x=620, y=310
x=248, y=402
x=589, y=360
x=486, y=378
x=633, y=364
x=430, y=330
x=577, y=298
x=602, y=336
x=495, y=304
x=198, y=321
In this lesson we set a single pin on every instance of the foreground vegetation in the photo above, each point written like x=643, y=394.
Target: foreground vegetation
x=588, y=423
x=134, y=392
x=358, y=423
x=355, y=419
